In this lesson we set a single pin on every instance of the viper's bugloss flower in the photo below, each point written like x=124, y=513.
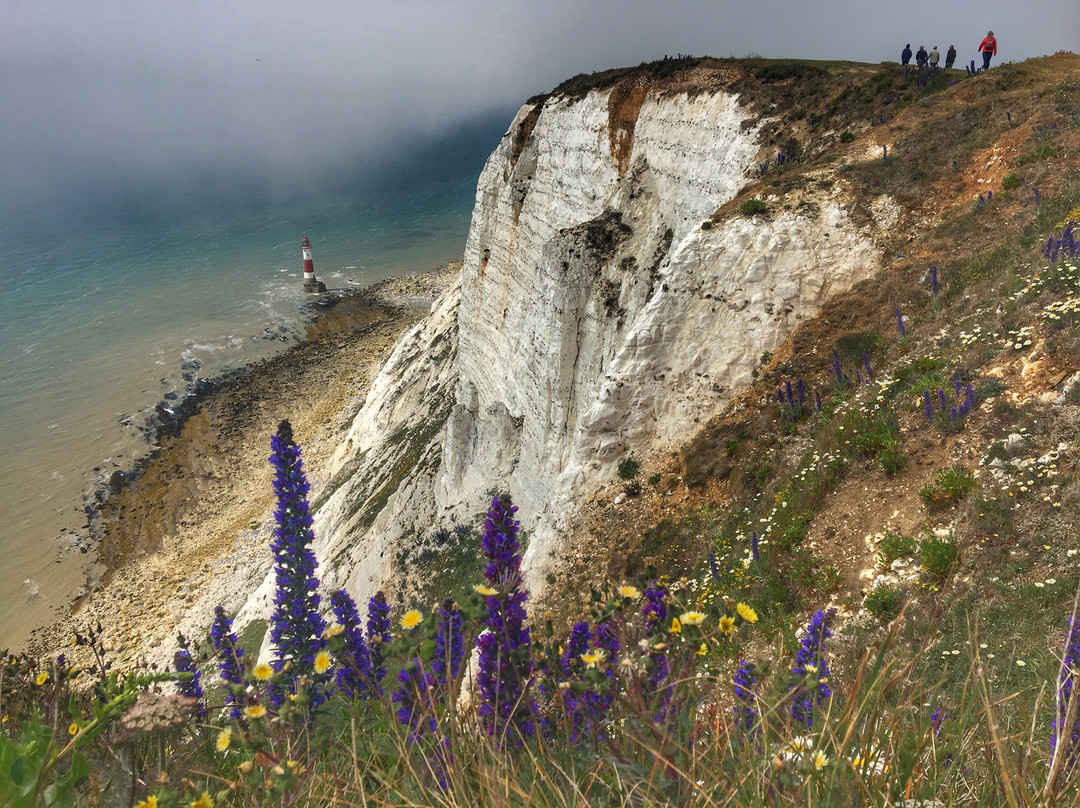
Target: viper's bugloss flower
x=1061, y=733
x=900, y=323
x=415, y=709
x=943, y=401
x=936, y=718
x=505, y=674
x=800, y=390
x=353, y=675
x=928, y=405
x=183, y=662
x=296, y=626
x=654, y=610
x=576, y=645
x=866, y=365
x=588, y=710
x=656, y=685
x=230, y=658
x=746, y=714
x=449, y=646
x=934, y=287
x=714, y=568
x=811, y=659
x=378, y=635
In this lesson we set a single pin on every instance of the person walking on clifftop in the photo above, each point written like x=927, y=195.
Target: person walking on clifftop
x=988, y=48
x=950, y=57
x=935, y=57
x=905, y=55
x=921, y=56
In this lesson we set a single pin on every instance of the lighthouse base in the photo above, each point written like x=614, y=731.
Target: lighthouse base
x=314, y=286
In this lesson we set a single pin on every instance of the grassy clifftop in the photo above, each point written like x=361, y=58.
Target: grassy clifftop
x=884, y=525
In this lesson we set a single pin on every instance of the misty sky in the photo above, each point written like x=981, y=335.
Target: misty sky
x=100, y=92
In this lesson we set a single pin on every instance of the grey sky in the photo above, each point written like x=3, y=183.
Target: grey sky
x=110, y=89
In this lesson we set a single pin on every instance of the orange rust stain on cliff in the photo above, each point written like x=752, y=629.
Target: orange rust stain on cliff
x=624, y=105
x=524, y=130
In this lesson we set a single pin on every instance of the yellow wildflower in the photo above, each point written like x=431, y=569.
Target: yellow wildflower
x=820, y=760
x=322, y=662
x=702, y=650
x=262, y=671
x=42, y=678
x=676, y=626
x=411, y=619
x=224, y=738
x=333, y=630
x=486, y=591
x=73, y=729
x=746, y=612
x=630, y=592
x=727, y=625
x=692, y=618
x=203, y=802
x=149, y=802
x=590, y=658
x=255, y=711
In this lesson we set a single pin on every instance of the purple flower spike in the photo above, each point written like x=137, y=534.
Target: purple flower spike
x=943, y=402
x=780, y=395
x=957, y=384
x=353, y=674
x=800, y=389
x=506, y=668
x=1061, y=733
x=935, y=721
x=810, y=661
x=184, y=663
x=230, y=659
x=928, y=405
x=934, y=279
x=790, y=396
x=449, y=647
x=900, y=323
x=952, y=413
x=413, y=696
x=296, y=626
x=378, y=635
x=746, y=687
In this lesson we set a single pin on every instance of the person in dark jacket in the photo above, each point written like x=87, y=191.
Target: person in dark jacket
x=905, y=55
x=988, y=48
x=950, y=57
x=921, y=56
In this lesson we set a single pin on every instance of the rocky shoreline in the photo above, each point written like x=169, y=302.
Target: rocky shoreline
x=188, y=527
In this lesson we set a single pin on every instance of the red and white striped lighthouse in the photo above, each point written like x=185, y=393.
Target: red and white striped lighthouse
x=310, y=283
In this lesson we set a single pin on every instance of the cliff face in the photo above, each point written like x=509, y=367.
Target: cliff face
x=600, y=312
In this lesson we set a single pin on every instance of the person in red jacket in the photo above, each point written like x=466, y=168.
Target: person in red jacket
x=988, y=48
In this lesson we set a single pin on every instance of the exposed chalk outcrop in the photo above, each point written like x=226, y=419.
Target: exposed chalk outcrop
x=596, y=315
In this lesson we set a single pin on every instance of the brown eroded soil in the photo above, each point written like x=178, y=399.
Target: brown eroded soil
x=204, y=495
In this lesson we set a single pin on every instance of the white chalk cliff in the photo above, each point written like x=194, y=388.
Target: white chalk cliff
x=599, y=312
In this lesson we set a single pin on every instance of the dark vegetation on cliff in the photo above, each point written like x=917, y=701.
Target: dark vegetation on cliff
x=885, y=523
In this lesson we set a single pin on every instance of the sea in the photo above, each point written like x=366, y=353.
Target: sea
x=114, y=303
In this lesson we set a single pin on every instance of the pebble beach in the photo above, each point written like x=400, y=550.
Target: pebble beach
x=189, y=528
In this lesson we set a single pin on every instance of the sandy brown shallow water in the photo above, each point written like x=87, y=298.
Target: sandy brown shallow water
x=197, y=520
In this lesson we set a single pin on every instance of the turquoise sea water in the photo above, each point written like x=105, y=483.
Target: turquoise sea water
x=108, y=302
